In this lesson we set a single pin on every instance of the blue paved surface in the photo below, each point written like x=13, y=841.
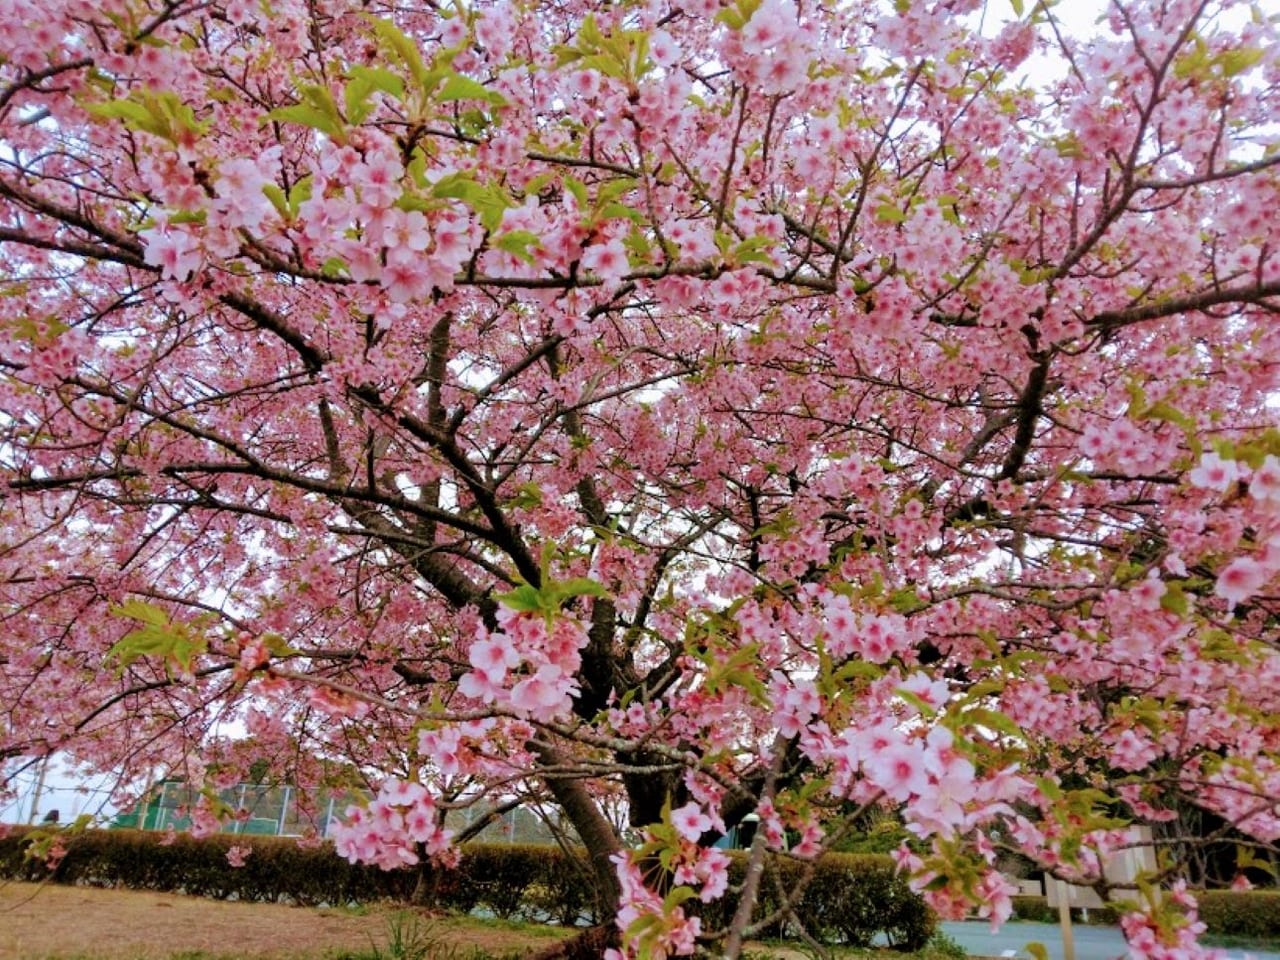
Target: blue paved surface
x=1092, y=943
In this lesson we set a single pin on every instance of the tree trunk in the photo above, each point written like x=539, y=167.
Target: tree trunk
x=595, y=832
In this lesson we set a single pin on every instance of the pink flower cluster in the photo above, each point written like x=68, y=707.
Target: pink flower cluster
x=388, y=830
x=773, y=50
x=550, y=655
x=1172, y=935
x=1123, y=446
x=873, y=637
x=672, y=935
x=1247, y=575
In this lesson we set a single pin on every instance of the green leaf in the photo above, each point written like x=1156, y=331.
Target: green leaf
x=619, y=211
x=740, y=14
x=517, y=243
x=613, y=189
x=134, y=115
x=643, y=929
x=1237, y=61
x=579, y=191
x=994, y=720
x=752, y=250
x=160, y=114
x=308, y=117
x=489, y=202
x=335, y=267
x=317, y=110
x=677, y=896
x=889, y=213
x=141, y=611
x=1017, y=12
x=925, y=709
x=278, y=199
x=363, y=83
x=1037, y=950
x=458, y=87
x=300, y=193
x=402, y=46
x=906, y=600
x=176, y=643
x=523, y=599
x=1247, y=860
x=577, y=587
x=738, y=668
x=1175, y=598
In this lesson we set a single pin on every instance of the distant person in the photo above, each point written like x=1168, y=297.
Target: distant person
x=51, y=818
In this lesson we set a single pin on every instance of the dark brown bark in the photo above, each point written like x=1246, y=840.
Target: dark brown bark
x=595, y=832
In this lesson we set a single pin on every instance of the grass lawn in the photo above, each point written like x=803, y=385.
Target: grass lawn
x=54, y=922
x=47, y=921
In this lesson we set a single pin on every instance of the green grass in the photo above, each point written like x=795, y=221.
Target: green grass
x=410, y=937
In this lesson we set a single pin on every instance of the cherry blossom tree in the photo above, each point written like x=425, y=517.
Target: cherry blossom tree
x=789, y=409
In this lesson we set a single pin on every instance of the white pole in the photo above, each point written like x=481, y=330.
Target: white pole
x=39, y=789
x=1064, y=918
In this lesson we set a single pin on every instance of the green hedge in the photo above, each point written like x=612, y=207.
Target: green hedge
x=851, y=899
x=277, y=869
x=1241, y=913
x=1037, y=910
x=1033, y=908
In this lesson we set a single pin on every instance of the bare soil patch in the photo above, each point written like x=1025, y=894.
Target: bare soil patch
x=39, y=921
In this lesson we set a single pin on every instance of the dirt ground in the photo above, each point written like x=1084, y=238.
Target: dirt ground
x=45, y=921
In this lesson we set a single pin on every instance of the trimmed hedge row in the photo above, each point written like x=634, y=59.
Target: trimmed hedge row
x=851, y=898
x=276, y=870
x=1037, y=910
x=504, y=880
x=1241, y=913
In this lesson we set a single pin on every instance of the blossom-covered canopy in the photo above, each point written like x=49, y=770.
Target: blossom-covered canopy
x=788, y=408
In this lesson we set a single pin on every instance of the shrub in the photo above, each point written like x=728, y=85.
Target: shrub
x=277, y=869
x=851, y=898
x=500, y=875
x=1241, y=913
x=1033, y=908
x=1037, y=910
x=565, y=891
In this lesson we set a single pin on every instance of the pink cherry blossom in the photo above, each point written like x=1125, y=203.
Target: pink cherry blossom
x=1240, y=579
x=496, y=652
x=483, y=685
x=898, y=769
x=1265, y=485
x=544, y=694
x=237, y=855
x=805, y=401
x=1214, y=473
x=607, y=260
x=173, y=249
x=690, y=822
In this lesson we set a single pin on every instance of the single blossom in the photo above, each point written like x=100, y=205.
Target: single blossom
x=1214, y=473
x=1239, y=580
x=690, y=822
x=1265, y=485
